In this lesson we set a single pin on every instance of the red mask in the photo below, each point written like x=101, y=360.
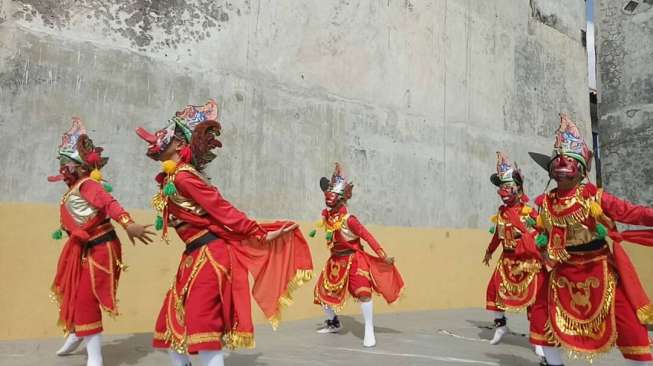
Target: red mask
x=565, y=168
x=509, y=194
x=69, y=174
x=331, y=199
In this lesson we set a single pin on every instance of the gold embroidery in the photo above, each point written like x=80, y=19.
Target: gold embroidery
x=87, y=327
x=595, y=325
x=635, y=350
x=580, y=298
x=80, y=210
x=204, y=337
x=336, y=287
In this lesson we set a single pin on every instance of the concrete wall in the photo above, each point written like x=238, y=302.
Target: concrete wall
x=625, y=85
x=413, y=96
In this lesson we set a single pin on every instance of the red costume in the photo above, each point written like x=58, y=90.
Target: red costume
x=208, y=304
x=350, y=268
x=90, y=262
x=519, y=273
x=594, y=298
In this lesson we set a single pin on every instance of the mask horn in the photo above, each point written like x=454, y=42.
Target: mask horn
x=324, y=183
x=142, y=133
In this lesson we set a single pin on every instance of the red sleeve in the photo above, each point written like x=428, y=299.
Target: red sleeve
x=209, y=198
x=94, y=193
x=357, y=228
x=494, y=243
x=626, y=212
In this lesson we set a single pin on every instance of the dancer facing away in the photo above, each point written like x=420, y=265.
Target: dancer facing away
x=350, y=268
x=520, y=272
x=90, y=262
x=594, y=298
x=208, y=304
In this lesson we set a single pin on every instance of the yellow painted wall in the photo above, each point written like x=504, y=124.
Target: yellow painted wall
x=442, y=269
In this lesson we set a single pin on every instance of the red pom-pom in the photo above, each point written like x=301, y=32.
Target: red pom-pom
x=539, y=200
x=185, y=154
x=93, y=158
x=159, y=177
x=525, y=198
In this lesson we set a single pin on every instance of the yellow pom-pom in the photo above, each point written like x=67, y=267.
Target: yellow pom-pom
x=493, y=219
x=539, y=223
x=96, y=175
x=595, y=209
x=526, y=210
x=169, y=166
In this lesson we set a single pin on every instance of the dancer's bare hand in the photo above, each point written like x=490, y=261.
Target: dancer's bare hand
x=390, y=260
x=139, y=232
x=486, y=259
x=284, y=230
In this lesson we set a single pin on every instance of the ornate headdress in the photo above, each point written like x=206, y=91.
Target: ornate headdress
x=568, y=142
x=77, y=148
x=338, y=183
x=196, y=125
x=505, y=171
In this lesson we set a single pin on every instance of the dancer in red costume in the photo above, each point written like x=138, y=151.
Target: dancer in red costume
x=594, y=298
x=350, y=268
x=208, y=304
x=519, y=274
x=90, y=263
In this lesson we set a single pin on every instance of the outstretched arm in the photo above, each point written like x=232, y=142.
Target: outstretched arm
x=623, y=211
x=209, y=198
x=357, y=228
x=94, y=193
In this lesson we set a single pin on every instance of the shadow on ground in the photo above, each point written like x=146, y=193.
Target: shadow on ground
x=129, y=350
x=486, y=332
x=357, y=328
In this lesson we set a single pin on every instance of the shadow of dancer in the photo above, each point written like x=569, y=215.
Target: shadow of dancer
x=357, y=328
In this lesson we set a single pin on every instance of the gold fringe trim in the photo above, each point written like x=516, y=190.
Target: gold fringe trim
x=234, y=340
x=531, y=267
x=645, y=314
x=576, y=327
x=301, y=277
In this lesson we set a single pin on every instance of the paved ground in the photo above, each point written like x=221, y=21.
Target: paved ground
x=449, y=337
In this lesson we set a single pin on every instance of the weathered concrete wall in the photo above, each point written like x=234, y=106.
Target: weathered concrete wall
x=625, y=86
x=413, y=96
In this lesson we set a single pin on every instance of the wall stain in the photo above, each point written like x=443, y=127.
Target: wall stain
x=147, y=24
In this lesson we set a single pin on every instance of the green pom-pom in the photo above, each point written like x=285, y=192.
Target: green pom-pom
x=492, y=229
x=541, y=240
x=158, y=223
x=312, y=233
x=601, y=231
x=107, y=187
x=57, y=234
x=531, y=221
x=329, y=236
x=169, y=189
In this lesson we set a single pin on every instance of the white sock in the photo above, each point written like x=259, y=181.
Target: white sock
x=178, y=359
x=94, y=349
x=539, y=351
x=330, y=314
x=368, y=314
x=70, y=345
x=211, y=358
x=552, y=355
